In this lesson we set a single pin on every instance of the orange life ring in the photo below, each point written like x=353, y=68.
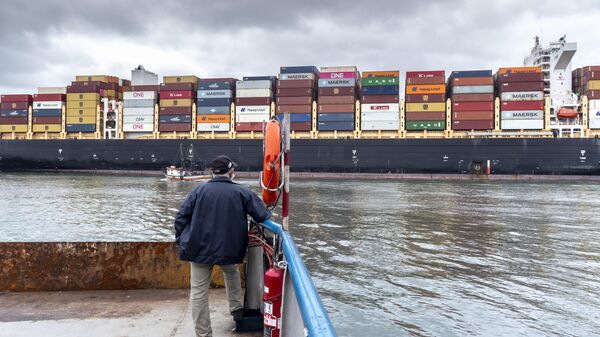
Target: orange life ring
x=271, y=173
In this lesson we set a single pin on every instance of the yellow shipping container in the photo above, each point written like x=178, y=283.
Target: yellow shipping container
x=180, y=79
x=81, y=120
x=76, y=112
x=47, y=128
x=81, y=104
x=100, y=78
x=13, y=128
x=426, y=89
x=425, y=107
x=593, y=85
x=110, y=93
x=503, y=71
x=213, y=118
x=167, y=103
x=89, y=96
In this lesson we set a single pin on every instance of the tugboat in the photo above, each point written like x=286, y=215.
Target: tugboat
x=183, y=172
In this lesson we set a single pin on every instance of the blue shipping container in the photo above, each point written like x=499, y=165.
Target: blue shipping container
x=216, y=85
x=301, y=118
x=471, y=73
x=213, y=110
x=176, y=119
x=46, y=112
x=208, y=102
x=80, y=127
x=380, y=90
x=299, y=69
x=13, y=113
x=335, y=117
x=339, y=126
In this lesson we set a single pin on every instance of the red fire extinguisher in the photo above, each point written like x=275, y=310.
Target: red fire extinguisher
x=272, y=302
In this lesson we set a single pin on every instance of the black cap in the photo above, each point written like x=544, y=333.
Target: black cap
x=222, y=164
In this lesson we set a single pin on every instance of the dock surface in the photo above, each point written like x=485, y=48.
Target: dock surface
x=131, y=313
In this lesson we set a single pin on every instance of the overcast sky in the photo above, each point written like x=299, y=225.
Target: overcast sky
x=46, y=43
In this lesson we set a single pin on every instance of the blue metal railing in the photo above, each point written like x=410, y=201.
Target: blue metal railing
x=316, y=320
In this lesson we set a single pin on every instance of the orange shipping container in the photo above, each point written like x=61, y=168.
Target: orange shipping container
x=426, y=89
x=213, y=119
x=366, y=74
x=517, y=70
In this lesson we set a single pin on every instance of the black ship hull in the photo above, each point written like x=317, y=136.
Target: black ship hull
x=566, y=156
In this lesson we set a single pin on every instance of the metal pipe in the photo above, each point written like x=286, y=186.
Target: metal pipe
x=315, y=317
x=286, y=172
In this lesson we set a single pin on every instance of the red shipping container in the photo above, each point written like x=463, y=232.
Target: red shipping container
x=294, y=92
x=338, y=99
x=473, y=125
x=488, y=80
x=170, y=127
x=295, y=100
x=14, y=105
x=338, y=75
x=591, y=68
x=296, y=84
x=425, y=116
x=301, y=126
x=13, y=120
x=177, y=95
x=374, y=99
x=426, y=74
x=253, y=101
x=431, y=98
x=426, y=80
x=249, y=127
x=176, y=87
x=305, y=108
x=16, y=98
x=46, y=120
x=472, y=115
x=593, y=94
x=79, y=89
x=145, y=88
x=337, y=91
x=521, y=86
x=473, y=98
x=167, y=111
x=333, y=108
x=473, y=106
x=50, y=97
x=522, y=105
x=521, y=77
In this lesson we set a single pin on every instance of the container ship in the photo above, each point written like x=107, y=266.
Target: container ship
x=539, y=118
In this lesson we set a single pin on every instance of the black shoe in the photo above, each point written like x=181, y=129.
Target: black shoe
x=238, y=314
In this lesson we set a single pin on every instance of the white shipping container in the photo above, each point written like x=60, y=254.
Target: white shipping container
x=297, y=76
x=380, y=125
x=342, y=69
x=253, y=93
x=522, y=124
x=380, y=107
x=252, y=109
x=252, y=118
x=52, y=90
x=380, y=116
x=594, y=114
x=594, y=124
x=522, y=96
x=214, y=93
x=139, y=95
x=522, y=114
x=259, y=84
x=594, y=104
x=47, y=105
x=138, y=111
x=138, y=119
x=138, y=127
x=212, y=127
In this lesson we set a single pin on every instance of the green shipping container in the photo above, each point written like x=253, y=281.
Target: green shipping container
x=373, y=81
x=425, y=125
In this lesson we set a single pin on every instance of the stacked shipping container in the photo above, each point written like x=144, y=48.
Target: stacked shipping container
x=177, y=96
x=338, y=91
x=14, y=112
x=213, y=108
x=253, y=97
x=138, y=109
x=472, y=94
x=47, y=112
x=425, y=98
x=380, y=107
x=586, y=82
x=295, y=95
x=521, y=91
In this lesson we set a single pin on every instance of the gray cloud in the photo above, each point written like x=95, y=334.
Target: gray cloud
x=49, y=42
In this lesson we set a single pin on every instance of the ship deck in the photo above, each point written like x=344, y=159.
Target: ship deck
x=148, y=313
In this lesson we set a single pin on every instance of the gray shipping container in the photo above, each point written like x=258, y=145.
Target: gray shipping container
x=522, y=96
x=473, y=89
x=213, y=110
x=260, y=84
x=341, y=82
x=522, y=114
x=139, y=103
x=297, y=76
x=214, y=93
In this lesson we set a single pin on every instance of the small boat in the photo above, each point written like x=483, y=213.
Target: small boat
x=186, y=172
x=565, y=113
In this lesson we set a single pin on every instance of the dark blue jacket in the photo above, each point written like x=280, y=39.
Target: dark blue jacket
x=212, y=225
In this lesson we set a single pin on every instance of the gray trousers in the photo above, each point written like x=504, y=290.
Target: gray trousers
x=200, y=282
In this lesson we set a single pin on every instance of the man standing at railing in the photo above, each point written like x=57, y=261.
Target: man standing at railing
x=211, y=228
